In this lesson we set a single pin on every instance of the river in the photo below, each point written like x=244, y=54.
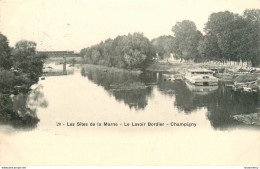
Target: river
x=210, y=135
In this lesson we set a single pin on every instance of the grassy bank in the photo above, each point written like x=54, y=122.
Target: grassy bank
x=109, y=69
x=171, y=67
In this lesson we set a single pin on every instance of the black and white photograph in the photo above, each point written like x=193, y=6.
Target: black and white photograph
x=130, y=83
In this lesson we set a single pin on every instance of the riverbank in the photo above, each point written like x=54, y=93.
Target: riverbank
x=168, y=67
x=108, y=69
x=230, y=73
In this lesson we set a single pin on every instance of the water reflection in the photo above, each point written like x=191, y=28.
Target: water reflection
x=133, y=88
x=222, y=104
x=20, y=110
x=185, y=100
x=137, y=98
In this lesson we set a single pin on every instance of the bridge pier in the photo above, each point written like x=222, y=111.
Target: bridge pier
x=64, y=65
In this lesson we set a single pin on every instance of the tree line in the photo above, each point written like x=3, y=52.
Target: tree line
x=132, y=51
x=20, y=66
x=227, y=37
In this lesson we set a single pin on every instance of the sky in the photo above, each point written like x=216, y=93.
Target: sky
x=77, y=24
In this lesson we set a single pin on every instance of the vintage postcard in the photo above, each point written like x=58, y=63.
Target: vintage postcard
x=130, y=83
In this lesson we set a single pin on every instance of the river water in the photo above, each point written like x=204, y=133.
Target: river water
x=210, y=135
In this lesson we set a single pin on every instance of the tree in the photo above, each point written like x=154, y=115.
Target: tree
x=27, y=61
x=20, y=67
x=130, y=51
x=252, y=35
x=208, y=48
x=227, y=28
x=186, y=40
x=232, y=37
x=163, y=46
x=5, y=53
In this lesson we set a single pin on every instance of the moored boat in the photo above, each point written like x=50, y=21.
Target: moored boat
x=201, y=77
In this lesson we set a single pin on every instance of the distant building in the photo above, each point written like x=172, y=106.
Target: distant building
x=59, y=53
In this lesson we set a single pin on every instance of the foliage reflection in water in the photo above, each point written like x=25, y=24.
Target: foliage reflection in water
x=221, y=104
x=20, y=111
x=126, y=86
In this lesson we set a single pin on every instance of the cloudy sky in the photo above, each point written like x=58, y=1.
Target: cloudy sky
x=75, y=24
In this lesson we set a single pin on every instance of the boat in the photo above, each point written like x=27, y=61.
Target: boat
x=178, y=77
x=168, y=77
x=201, y=77
x=247, y=89
x=201, y=90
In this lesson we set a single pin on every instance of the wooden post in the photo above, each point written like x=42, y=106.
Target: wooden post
x=64, y=65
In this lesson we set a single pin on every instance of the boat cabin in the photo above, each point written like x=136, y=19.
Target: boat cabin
x=201, y=77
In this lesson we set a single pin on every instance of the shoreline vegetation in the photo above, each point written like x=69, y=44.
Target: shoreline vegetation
x=20, y=69
x=132, y=51
x=228, y=37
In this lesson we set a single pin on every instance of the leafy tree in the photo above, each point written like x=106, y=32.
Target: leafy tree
x=163, y=46
x=27, y=60
x=225, y=28
x=5, y=53
x=19, y=67
x=252, y=35
x=232, y=37
x=186, y=40
x=208, y=48
x=130, y=51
